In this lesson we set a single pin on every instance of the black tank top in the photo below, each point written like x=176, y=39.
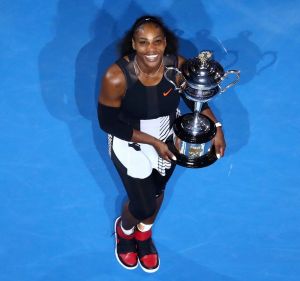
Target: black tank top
x=148, y=102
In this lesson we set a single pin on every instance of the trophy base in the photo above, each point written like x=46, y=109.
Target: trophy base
x=199, y=162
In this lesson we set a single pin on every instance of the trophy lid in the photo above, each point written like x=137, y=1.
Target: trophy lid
x=203, y=70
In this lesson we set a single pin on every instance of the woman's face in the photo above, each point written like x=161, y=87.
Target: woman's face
x=149, y=43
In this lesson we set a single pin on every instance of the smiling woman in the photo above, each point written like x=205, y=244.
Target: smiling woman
x=137, y=107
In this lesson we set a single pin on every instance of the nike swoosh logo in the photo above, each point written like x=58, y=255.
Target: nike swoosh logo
x=168, y=92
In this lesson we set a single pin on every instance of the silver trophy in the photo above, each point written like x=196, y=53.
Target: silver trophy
x=199, y=81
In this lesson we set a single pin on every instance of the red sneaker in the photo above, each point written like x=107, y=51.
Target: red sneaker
x=147, y=253
x=125, y=247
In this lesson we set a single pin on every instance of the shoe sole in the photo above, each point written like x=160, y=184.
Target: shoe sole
x=116, y=254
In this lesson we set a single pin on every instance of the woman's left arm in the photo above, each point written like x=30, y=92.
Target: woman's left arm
x=218, y=140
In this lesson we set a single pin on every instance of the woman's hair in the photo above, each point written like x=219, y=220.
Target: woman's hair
x=125, y=44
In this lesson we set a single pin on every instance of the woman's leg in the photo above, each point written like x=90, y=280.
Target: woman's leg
x=160, y=183
x=159, y=201
x=129, y=221
x=146, y=199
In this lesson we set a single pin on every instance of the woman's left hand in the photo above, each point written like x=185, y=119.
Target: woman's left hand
x=219, y=142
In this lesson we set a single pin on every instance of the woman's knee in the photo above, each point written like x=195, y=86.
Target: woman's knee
x=142, y=212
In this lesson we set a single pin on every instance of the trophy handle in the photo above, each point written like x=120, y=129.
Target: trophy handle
x=235, y=72
x=181, y=86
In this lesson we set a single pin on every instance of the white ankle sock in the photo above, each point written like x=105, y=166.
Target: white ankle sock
x=144, y=227
x=127, y=231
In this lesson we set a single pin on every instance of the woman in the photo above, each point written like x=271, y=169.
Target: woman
x=137, y=107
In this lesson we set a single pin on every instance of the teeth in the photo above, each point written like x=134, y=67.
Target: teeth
x=151, y=56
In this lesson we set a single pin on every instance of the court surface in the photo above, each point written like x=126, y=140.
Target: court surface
x=237, y=220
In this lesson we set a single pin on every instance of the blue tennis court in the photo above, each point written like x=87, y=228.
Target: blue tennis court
x=236, y=220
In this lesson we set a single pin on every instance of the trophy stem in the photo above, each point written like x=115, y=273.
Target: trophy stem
x=198, y=106
x=197, y=122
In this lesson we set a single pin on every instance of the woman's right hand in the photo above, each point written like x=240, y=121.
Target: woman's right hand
x=163, y=151
x=160, y=147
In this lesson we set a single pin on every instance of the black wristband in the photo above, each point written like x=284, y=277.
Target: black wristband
x=110, y=122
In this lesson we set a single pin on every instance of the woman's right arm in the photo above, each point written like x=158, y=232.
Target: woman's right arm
x=112, y=90
x=110, y=98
